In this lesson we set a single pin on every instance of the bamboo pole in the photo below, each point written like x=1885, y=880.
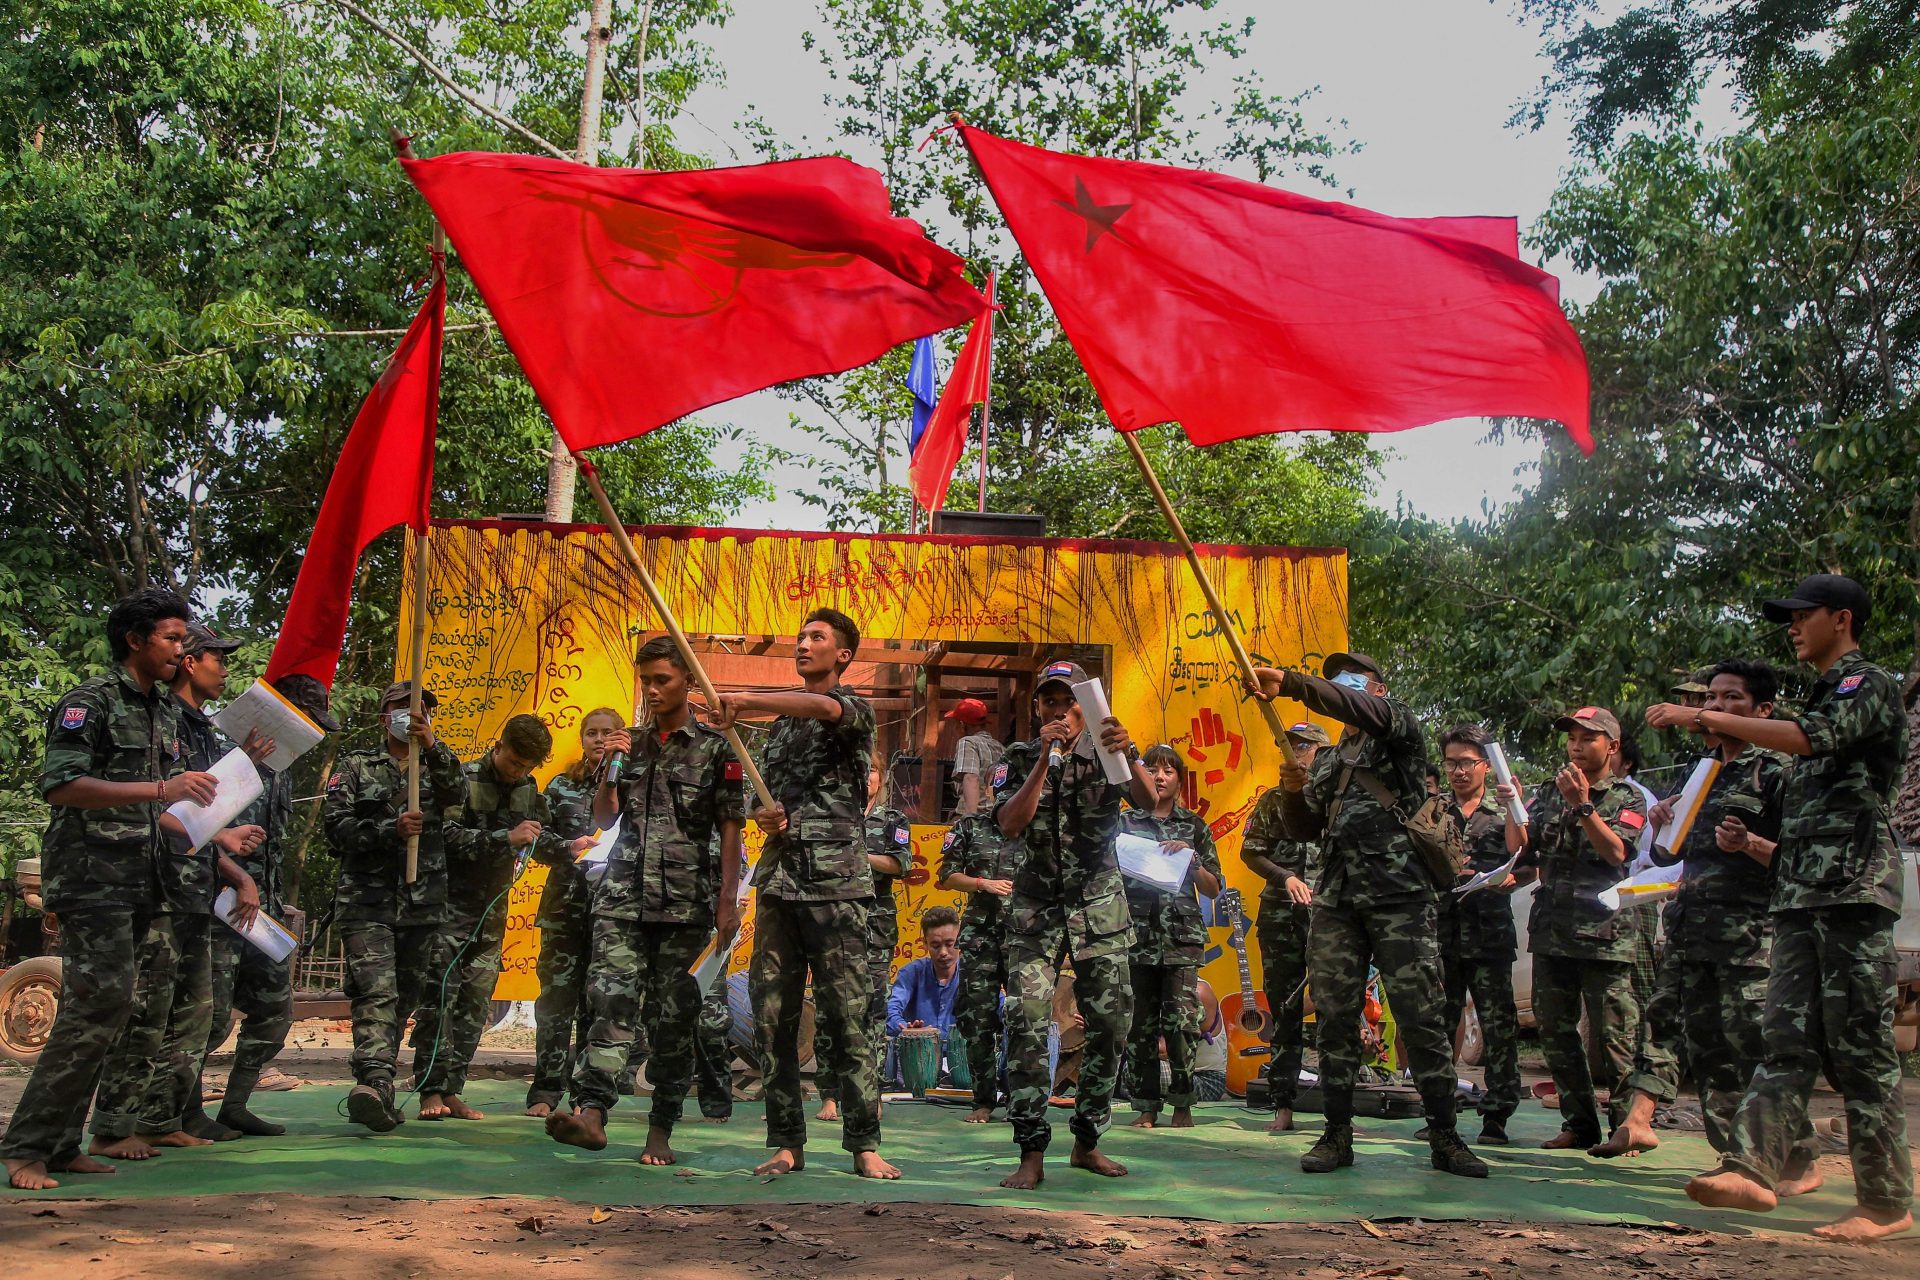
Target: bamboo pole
x=418, y=690
x=1267, y=710
x=986, y=405
x=591, y=474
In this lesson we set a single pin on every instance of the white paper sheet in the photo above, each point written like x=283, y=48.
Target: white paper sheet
x=266, y=933
x=1093, y=705
x=1141, y=859
x=1485, y=878
x=239, y=787
x=261, y=707
x=603, y=842
x=1651, y=886
x=1687, y=806
x=711, y=963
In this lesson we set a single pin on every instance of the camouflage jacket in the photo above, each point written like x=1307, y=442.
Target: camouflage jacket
x=674, y=797
x=188, y=876
x=1720, y=915
x=273, y=814
x=480, y=862
x=570, y=814
x=817, y=770
x=1836, y=847
x=1482, y=924
x=1366, y=855
x=367, y=792
x=1568, y=918
x=108, y=729
x=1069, y=868
x=887, y=831
x=975, y=847
x=1266, y=849
x=1168, y=928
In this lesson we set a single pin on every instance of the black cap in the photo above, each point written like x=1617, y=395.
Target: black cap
x=1822, y=591
x=402, y=691
x=1338, y=662
x=311, y=697
x=202, y=638
x=1061, y=672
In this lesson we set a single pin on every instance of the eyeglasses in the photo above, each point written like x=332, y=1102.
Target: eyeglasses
x=1462, y=766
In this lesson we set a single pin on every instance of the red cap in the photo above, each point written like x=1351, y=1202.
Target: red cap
x=968, y=711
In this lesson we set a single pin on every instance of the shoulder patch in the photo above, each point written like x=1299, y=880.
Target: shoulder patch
x=337, y=781
x=732, y=771
x=73, y=717
x=999, y=776
x=901, y=835
x=1849, y=686
x=946, y=841
x=1632, y=819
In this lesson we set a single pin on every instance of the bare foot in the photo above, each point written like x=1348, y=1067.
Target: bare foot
x=1146, y=1120
x=81, y=1164
x=178, y=1138
x=459, y=1110
x=1630, y=1139
x=539, y=1111
x=30, y=1175
x=433, y=1107
x=829, y=1110
x=1282, y=1121
x=1565, y=1140
x=658, y=1151
x=127, y=1148
x=979, y=1115
x=1862, y=1226
x=785, y=1160
x=585, y=1128
x=1031, y=1173
x=1729, y=1190
x=1811, y=1180
x=868, y=1164
x=1090, y=1159
x=1182, y=1118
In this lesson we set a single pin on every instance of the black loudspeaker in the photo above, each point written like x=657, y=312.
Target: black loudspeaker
x=990, y=524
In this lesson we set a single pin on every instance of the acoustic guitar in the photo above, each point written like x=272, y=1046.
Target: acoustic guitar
x=1249, y=1022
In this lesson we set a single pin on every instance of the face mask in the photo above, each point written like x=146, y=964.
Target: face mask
x=397, y=722
x=1352, y=680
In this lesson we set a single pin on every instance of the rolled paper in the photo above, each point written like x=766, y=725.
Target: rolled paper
x=1516, y=807
x=1656, y=884
x=1687, y=806
x=1093, y=705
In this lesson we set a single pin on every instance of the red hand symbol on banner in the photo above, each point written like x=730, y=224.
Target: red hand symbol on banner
x=1190, y=796
x=1209, y=733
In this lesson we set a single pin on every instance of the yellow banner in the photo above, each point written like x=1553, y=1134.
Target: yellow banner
x=543, y=619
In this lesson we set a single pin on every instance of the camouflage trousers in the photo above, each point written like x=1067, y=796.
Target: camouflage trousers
x=883, y=935
x=1830, y=999
x=976, y=1007
x=1656, y=1066
x=1166, y=1007
x=1562, y=988
x=99, y=950
x=155, y=1062
x=640, y=966
x=1104, y=996
x=388, y=967
x=830, y=939
x=261, y=988
x=712, y=1054
x=1282, y=931
x=1489, y=980
x=461, y=1010
x=1401, y=940
x=561, y=1013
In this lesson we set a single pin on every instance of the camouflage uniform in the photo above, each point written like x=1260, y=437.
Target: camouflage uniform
x=1583, y=954
x=390, y=929
x=1282, y=930
x=1375, y=902
x=1169, y=942
x=1068, y=900
x=814, y=886
x=653, y=914
x=887, y=833
x=1478, y=946
x=101, y=879
x=975, y=847
x=713, y=1054
x=1836, y=896
x=245, y=977
x=481, y=866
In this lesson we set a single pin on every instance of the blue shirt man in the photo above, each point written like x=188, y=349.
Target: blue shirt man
x=924, y=989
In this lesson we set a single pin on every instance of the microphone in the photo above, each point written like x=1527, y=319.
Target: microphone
x=610, y=769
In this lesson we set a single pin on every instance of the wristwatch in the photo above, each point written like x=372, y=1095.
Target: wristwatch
x=1133, y=752
x=1583, y=811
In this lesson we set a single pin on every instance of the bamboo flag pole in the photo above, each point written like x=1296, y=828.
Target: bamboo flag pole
x=1267, y=710
x=417, y=690
x=591, y=474
x=986, y=404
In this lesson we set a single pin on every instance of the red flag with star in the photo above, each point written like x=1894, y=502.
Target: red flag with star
x=1236, y=309
x=632, y=298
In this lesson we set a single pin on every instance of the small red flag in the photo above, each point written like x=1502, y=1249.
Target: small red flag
x=384, y=477
x=1237, y=309
x=632, y=298
x=945, y=438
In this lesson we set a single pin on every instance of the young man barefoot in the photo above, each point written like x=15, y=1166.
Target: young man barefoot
x=980, y=862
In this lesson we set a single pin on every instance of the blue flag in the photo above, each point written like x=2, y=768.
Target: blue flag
x=923, y=379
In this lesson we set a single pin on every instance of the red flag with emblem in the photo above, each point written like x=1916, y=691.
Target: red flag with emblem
x=384, y=477
x=1237, y=309
x=632, y=298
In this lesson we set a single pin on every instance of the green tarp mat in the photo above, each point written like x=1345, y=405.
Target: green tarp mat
x=1225, y=1169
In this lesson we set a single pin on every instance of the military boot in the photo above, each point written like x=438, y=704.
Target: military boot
x=1333, y=1151
x=1493, y=1131
x=1451, y=1155
x=371, y=1106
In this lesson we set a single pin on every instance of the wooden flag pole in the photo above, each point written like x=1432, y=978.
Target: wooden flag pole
x=415, y=694
x=591, y=474
x=1267, y=709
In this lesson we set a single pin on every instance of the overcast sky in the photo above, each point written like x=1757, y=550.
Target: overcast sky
x=1425, y=85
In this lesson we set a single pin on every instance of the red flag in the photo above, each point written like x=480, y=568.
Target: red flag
x=945, y=438
x=1237, y=309
x=632, y=298
x=384, y=477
